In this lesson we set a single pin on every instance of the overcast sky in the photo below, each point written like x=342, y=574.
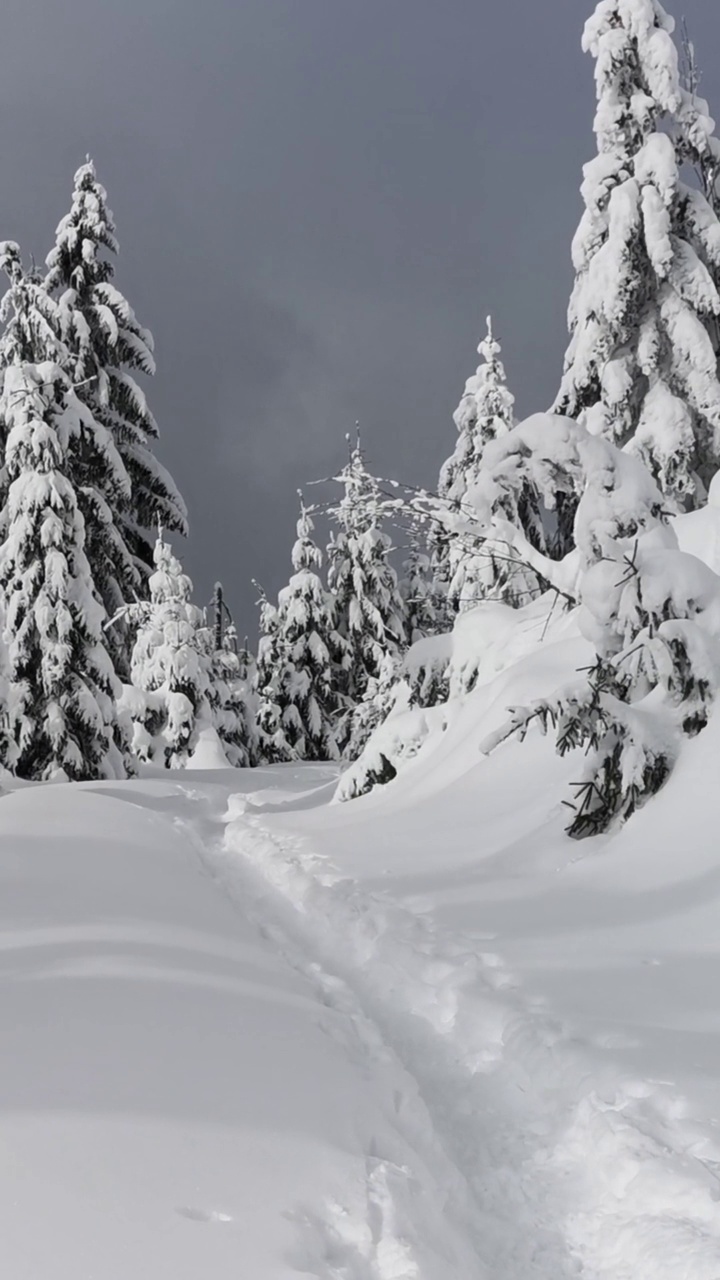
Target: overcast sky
x=318, y=202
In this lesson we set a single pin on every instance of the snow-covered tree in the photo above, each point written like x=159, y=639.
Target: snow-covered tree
x=169, y=665
x=484, y=413
x=466, y=572
x=641, y=368
x=232, y=704
x=695, y=136
x=273, y=746
x=651, y=611
x=35, y=331
x=62, y=719
x=32, y=320
x=417, y=590
x=232, y=701
x=380, y=697
x=109, y=348
x=311, y=652
x=370, y=615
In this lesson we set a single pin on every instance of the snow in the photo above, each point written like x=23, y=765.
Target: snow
x=418, y=1036
x=179, y=1098
x=568, y=1000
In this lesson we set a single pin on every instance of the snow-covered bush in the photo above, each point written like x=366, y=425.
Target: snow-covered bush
x=387, y=727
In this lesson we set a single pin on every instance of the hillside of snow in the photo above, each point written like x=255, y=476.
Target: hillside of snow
x=419, y=1036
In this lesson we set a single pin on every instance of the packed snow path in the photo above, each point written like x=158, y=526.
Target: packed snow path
x=563, y=1166
x=225, y=1055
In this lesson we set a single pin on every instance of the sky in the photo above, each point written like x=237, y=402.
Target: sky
x=318, y=203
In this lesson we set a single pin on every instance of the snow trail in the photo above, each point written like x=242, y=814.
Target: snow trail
x=557, y=1168
x=406, y=988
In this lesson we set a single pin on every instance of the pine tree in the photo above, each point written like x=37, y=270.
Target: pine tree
x=230, y=697
x=304, y=686
x=378, y=702
x=32, y=320
x=369, y=609
x=274, y=747
x=641, y=367
x=35, y=331
x=62, y=688
x=465, y=571
x=169, y=665
x=417, y=593
x=108, y=349
x=651, y=612
x=484, y=413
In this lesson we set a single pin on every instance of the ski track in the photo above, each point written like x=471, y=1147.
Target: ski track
x=536, y=1164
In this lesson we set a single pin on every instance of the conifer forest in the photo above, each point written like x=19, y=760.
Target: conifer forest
x=374, y=935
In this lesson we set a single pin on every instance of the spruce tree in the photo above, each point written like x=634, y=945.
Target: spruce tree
x=230, y=694
x=169, y=665
x=370, y=612
x=36, y=330
x=273, y=746
x=62, y=687
x=109, y=348
x=306, y=689
x=32, y=320
x=484, y=413
x=464, y=571
x=651, y=611
x=641, y=368
x=416, y=588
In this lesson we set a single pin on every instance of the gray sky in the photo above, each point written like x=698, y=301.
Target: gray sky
x=318, y=202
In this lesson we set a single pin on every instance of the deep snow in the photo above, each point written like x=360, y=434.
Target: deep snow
x=423, y=1035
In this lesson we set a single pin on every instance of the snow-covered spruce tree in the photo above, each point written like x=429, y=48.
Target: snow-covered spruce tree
x=381, y=696
x=370, y=614
x=311, y=651
x=641, y=368
x=231, y=698
x=62, y=718
x=485, y=412
x=698, y=149
x=416, y=589
x=169, y=665
x=31, y=319
x=243, y=696
x=651, y=611
x=109, y=348
x=35, y=330
x=273, y=746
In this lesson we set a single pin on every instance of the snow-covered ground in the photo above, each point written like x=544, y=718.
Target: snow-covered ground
x=419, y=1036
